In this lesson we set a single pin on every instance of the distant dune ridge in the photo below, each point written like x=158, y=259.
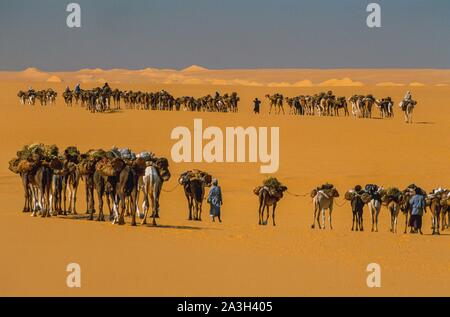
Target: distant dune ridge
x=199, y=75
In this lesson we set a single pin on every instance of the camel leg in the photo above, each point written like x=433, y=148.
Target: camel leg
x=267, y=216
x=372, y=214
x=189, y=199
x=145, y=204
x=331, y=218
x=273, y=213
x=101, y=216
x=361, y=228
x=260, y=212
x=314, y=218
x=123, y=208
x=353, y=221
x=154, y=209
x=376, y=219
x=406, y=222
x=319, y=210
x=133, y=204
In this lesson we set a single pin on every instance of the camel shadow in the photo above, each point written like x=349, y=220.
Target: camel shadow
x=437, y=235
x=74, y=217
x=174, y=227
x=424, y=122
x=113, y=111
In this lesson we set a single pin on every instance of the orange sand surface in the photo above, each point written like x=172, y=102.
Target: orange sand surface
x=237, y=257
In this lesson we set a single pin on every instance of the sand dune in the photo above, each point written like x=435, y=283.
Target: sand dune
x=344, y=82
x=199, y=75
x=237, y=257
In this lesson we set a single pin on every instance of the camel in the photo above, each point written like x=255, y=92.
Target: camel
x=408, y=107
x=436, y=203
x=68, y=95
x=368, y=101
x=269, y=198
x=152, y=182
x=40, y=180
x=323, y=199
x=71, y=181
x=394, y=209
x=127, y=186
x=194, y=183
x=340, y=103
x=374, y=204
x=86, y=170
x=385, y=107
x=276, y=101
x=445, y=211
x=357, y=210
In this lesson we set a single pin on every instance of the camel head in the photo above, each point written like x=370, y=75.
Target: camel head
x=163, y=166
x=207, y=179
x=334, y=193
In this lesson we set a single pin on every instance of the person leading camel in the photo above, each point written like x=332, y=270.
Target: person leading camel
x=215, y=200
x=417, y=203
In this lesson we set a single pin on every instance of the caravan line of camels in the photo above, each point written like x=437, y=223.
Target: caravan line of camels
x=328, y=104
x=51, y=178
x=106, y=99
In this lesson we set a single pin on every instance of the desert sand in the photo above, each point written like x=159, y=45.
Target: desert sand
x=237, y=257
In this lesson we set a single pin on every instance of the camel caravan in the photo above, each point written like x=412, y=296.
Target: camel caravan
x=45, y=97
x=102, y=99
x=50, y=181
x=328, y=104
x=396, y=201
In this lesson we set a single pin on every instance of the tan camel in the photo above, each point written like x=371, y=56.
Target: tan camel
x=323, y=199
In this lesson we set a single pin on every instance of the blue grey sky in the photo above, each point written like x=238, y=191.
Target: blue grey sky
x=224, y=34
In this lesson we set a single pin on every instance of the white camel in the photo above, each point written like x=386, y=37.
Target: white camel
x=323, y=200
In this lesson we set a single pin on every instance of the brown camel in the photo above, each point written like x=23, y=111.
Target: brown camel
x=194, y=183
x=127, y=186
x=267, y=198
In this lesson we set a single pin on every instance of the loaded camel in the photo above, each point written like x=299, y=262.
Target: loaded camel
x=269, y=195
x=323, y=198
x=194, y=183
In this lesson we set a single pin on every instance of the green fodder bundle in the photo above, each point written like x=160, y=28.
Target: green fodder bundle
x=24, y=153
x=51, y=151
x=325, y=186
x=349, y=194
x=96, y=154
x=391, y=193
x=272, y=183
x=72, y=154
x=366, y=197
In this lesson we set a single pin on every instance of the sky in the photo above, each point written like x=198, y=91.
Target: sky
x=224, y=34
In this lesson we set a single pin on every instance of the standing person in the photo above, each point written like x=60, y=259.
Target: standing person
x=215, y=200
x=257, y=105
x=417, y=203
